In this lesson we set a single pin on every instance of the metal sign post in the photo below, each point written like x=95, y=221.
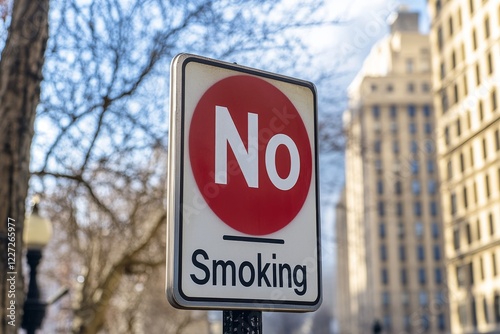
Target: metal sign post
x=241, y=322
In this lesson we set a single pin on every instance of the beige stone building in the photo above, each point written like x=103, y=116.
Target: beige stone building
x=465, y=46
x=392, y=258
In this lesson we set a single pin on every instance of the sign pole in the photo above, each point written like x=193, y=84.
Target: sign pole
x=241, y=322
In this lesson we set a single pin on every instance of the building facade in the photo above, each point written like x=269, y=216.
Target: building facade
x=394, y=273
x=465, y=47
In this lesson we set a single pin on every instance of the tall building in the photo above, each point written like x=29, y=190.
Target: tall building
x=342, y=300
x=394, y=273
x=465, y=45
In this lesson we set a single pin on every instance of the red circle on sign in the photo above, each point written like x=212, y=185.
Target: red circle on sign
x=262, y=207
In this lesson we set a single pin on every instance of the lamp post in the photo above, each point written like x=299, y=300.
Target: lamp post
x=37, y=233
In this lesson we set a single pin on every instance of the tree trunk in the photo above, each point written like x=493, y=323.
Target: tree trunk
x=20, y=76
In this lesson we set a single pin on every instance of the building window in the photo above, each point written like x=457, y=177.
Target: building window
x=437, y=253
x=468, y=233
x=385, y=277
x=459, y=128
x=485, y=149
x=481, y=268
x=417, y=209
x=423, y=298
x=381, y=209
x=402, y=253
x=426, y=88
x=485, y=310
x=387, y=322
x=487, y=185
x=405, y=298
x=441, y=322
x=497, y=140
x=456, y=238
x=380, y=187
x=432, y=187
x=386, y=298
x=473, y=312
x=496, y=306
x=435, y=230
x=490, y=63
x=427, y=110
x=480, y=110
x=410, y=87
x=401, y=230
x=471, y=273
x=478, y=229
x=478, y=75
x=390, y=88
x=455, y=93
x=487, y=27
x=419, y=230
x=434, y=208
x=404, y=277
x=428, y=128
x=420, y=253
x=421, y=276
x=447, y=135
x=413, y=128
x=381, y=230
x=453, y=204
x=466, y=90
x=474, y=39
x=383, y=253
x=474, y=188
x=399, y=209
x=413, y=146
x=493, y=96
x=411, y=110
x=461, y=277
x=377, y=146
x=393, y=111
x=450, y=25
x=415, y=187
x=414, y=166
x=464, y=197
x=397, y=187
x=440, y=38
x=376, y=111
x=462, y=163
x=407, y=322
x=492, y=225
x=430, y=166
x=395, y=147
x=438, y=276
x=494, y=263
x=444, y=101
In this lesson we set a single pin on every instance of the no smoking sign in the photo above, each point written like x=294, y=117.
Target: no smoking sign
x=243, y=197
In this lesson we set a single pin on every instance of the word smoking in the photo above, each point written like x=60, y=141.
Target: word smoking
x=268, y=274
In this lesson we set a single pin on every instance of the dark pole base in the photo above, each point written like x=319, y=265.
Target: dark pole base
x=241, y=322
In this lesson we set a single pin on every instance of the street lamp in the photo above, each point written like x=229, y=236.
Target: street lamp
x=37, y=233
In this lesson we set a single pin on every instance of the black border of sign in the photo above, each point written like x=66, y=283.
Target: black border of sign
x=244, y=302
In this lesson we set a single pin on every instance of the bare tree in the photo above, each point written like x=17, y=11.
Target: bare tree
x=20, y=77
x=101, y=141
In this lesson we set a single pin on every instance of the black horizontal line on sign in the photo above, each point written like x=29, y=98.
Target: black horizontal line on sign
x=253, y=239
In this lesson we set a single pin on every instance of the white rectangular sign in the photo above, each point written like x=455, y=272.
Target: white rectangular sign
x=243, y=212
